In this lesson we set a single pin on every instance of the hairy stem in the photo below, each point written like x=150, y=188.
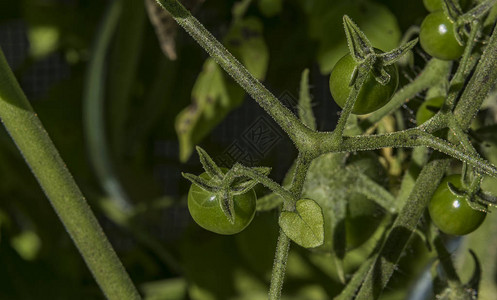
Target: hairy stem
x=283, y=246
x=279, y=267
x=406, y=138
x=287, y=196
x=40, y=154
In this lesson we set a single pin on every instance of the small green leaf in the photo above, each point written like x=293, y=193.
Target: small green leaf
x=305, y=226
x=243, y=186
x=451, y=9
x=477, y=12
x=378, y=23
x=391, y=57
x=262, y=170
x=306, y=114
x=228, y=206
x=201, y=182
x=359, y=45
x=209, y=165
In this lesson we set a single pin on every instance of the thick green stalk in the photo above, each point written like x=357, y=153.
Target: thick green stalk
x=40, y=154
x=297, y=132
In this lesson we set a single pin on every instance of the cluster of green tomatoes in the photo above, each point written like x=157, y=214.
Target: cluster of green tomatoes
x=449, y=207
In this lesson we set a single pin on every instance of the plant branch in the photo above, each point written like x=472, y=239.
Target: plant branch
x=406, y=138
x=283, y=247
x=40, y=154
x=240, y=170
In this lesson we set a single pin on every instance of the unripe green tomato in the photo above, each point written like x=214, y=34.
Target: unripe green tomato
x=372, y=95
x=437, y=37
x=451, y=213
x=428, y=109
x=205, y=209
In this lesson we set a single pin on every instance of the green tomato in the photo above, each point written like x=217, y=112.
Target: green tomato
x=428, y=109
x=372, y=95
x=437, y=37
x=451, y=213
x=206, y=210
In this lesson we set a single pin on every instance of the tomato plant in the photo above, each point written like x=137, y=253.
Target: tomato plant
x=437, y=37
x=372, y=95
x=346, y=213
x=205, y=209
x=450, y=212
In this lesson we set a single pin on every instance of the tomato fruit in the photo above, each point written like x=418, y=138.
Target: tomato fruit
x=372, y=95
x=437, y=37
x=450, y=212
x=205, y=209
x=428, y=109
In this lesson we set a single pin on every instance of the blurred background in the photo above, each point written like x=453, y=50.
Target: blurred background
x=126, y=94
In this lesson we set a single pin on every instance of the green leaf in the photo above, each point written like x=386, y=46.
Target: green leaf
x=376, y=21
x=228, y=206
x=391, y=57
x=359, y=45
x=213, y=96
x=305, y=226
x=306, y=114
x=243, y=186
x=209, y=165
x=201, y=182
x=245, y=41
x=270, y=8
x=212, y=99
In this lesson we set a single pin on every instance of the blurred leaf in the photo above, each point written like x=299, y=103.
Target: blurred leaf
x=306, y=114
x=245, y=41
x=257, y=242
x=270, y=8
x=27, y=244
x=167, y=289
x=213, y=95
x=377, y=22
x=212, y=100
x=43, y=40
x=351, y=222
x=209, y=269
